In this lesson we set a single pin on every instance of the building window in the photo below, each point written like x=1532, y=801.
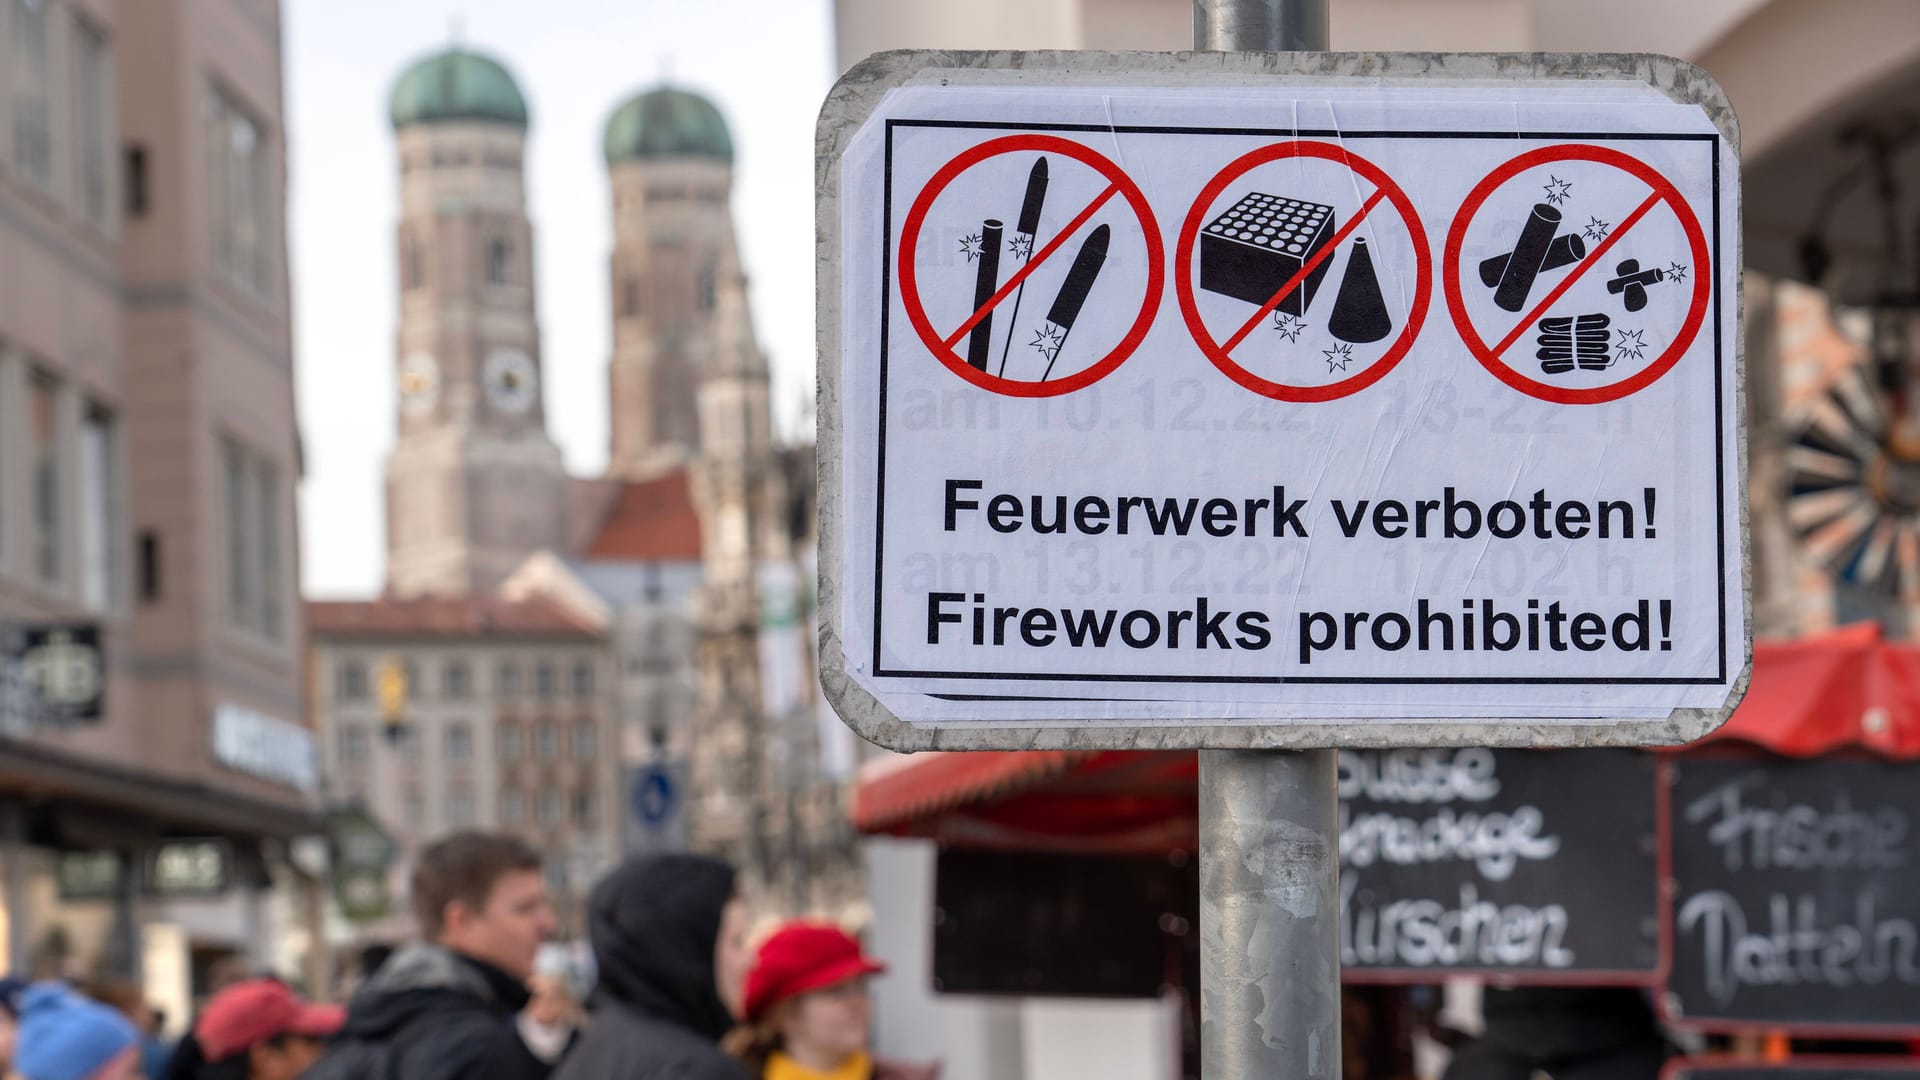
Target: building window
x=350, y=681
x=99, y=513
x=585, y=809
x=510, y=742
x=459, y=808
x=705, y=288
x=545, y=682
x=459, y=740
x=549, y=807
x=583, y=679
x=586, y=742
x=630, y=296
x=136, y=180
x=239, y=187
x=45, y=403
x=254, y=585
x=456, y=680
x=413, y=262
x=499, y=261
x=546, y=741
x=506, y=679
x=92, y=121
x=32, y=94
x=149, y=566
x=416, y=809
x=513, y=808
x=354, y=745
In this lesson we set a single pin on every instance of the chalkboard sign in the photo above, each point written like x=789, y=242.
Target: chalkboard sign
x=1797, y=894
x=1536, y=865
x=1825, y=1068
x=1064, y=925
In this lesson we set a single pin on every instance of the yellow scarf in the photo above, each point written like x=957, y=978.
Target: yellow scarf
x=782, y=1067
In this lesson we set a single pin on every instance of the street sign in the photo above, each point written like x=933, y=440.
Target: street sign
x=1231, y=400
x=361, y=858
x=51, y=676
x=656, y=818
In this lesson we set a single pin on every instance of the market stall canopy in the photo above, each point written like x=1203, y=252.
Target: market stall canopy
x=1843, y=691
x=1840, y=691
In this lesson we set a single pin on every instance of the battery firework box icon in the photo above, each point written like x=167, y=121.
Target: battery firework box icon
x=1257, y=246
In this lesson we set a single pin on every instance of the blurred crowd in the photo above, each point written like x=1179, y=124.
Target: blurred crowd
x=679, y=991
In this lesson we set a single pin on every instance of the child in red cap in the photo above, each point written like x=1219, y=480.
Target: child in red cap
x=260, y=1030
x=807, y=1013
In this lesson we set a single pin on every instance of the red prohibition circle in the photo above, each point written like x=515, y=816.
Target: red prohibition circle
x=1183, y=281
x=910, y=285
x=1564, y=395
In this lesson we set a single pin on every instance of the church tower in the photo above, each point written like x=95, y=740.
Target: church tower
x=670, y=161
x=474, y=484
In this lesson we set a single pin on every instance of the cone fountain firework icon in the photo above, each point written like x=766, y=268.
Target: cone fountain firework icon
x=1359, y=310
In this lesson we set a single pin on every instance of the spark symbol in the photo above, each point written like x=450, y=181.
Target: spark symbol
x=1048, y=340
x=1632, y=344
x=1338, y=358
x=1289, y=325
x=1676, y=272
x=970, y=246
x=1596, y=229
x=1558, y=189
x=1021, y=245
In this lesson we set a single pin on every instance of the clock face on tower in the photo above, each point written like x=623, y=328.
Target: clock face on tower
x=419, y=384
x=512, y=382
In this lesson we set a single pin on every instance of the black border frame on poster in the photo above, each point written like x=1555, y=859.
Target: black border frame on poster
x=1713, y=141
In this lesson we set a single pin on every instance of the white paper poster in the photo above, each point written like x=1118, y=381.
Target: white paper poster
x=1256, y=405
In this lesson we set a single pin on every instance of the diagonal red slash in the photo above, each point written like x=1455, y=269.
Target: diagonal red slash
x=1033, y=263
x=1574, y=275
x=1306, y=268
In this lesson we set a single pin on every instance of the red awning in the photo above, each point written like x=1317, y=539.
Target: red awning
x=1842, y=691
x=1845, y=690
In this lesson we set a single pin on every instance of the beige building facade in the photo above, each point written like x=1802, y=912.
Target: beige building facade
x=148, y=464
x=474, y=483
x=506, y=722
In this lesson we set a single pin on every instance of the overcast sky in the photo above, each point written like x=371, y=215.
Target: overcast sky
x=766, y=63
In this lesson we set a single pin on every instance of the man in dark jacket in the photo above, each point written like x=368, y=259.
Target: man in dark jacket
x=446, y=1010
x=669, y=939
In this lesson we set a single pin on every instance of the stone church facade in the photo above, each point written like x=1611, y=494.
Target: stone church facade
x=690, y=560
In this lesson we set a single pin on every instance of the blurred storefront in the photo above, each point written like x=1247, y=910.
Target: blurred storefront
x=154, y=761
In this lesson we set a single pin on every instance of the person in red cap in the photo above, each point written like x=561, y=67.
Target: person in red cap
x=807, y=1012
x=260, y=1030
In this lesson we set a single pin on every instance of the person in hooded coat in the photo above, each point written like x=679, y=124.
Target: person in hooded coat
x=669, y=939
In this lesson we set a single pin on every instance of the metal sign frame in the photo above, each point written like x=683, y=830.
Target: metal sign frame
x=855, y=98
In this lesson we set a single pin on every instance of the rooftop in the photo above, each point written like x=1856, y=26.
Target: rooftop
x=447, y=617
x=651, y=520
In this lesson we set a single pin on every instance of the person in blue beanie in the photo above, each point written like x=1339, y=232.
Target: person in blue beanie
x=63, y=1036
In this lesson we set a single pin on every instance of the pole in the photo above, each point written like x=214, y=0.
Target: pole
x=1269, y=831
x=1260, y=25
x=1269, y=915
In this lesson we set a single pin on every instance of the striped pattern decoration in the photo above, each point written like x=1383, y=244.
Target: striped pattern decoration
x=1841, y=475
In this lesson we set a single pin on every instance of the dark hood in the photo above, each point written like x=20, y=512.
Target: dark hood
x=654, y=922
x=426, y=979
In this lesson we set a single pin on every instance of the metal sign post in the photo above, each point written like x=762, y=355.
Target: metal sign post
x=1269, y=828
x=1264, y=401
